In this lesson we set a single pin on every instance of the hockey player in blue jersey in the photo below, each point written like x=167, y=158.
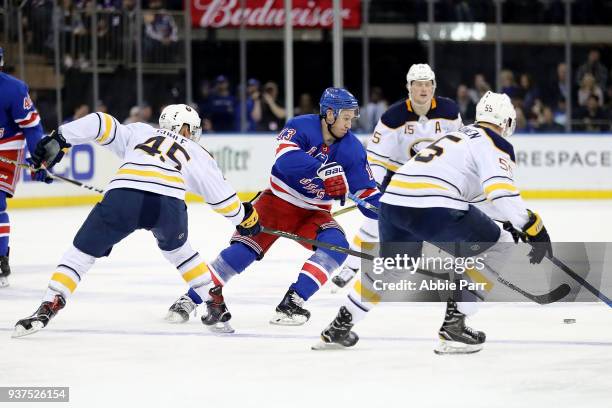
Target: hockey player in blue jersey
x=318, y=159
x=19, y=125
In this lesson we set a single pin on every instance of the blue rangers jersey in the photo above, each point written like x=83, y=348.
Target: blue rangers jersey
x=300, y=151
x=19, y=120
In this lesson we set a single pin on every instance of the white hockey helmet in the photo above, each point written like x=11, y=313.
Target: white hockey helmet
x=420, y=72
x=497, y=109
x=173, y=117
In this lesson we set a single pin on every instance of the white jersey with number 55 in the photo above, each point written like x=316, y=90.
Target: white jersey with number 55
x=158, y=161
x=463, y=167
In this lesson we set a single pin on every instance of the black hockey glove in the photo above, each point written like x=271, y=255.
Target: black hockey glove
x=250, y=223
x=537, y=236
x=50, y=150
x=516, y=235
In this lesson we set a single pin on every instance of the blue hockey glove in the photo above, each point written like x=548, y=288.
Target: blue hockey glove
x=39, y=175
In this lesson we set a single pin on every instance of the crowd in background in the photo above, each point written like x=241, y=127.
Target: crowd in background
x=540, y=106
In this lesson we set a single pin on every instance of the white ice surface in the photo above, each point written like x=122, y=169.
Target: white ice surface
x=111, y=346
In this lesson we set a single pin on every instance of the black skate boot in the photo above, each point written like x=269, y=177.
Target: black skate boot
x=455, y=336
x=181, y=309
x=40, y=318
x=5, y=270
x=343, y=277
x=289, y=311
x=338, y=334
x=218, y=315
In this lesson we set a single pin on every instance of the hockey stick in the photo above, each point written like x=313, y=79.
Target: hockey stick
x=317, y=243
x=362, y=203
x=343, y=210
x=558, y=263
x=553, y=296
x=52, y=175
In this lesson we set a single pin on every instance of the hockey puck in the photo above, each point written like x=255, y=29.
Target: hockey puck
x=569, y=321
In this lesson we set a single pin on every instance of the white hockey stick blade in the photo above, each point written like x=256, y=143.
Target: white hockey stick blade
x=21, y=331
x=4, y=283
x=454, y=347
x=281, y=319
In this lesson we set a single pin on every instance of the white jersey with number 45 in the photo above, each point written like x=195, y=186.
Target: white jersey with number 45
x=158, y=161
x=463, y=167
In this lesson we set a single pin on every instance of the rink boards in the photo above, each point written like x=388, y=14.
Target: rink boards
x=548, y=167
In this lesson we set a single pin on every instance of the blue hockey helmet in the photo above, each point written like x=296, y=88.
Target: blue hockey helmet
x=337, y=99
x=1, y=57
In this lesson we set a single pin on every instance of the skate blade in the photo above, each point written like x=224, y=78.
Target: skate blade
x=175, y=318
x=221, y=328
x=21, y=331
x=4, y=283
x=454, y=347
x=327, y=346
x=281, y=319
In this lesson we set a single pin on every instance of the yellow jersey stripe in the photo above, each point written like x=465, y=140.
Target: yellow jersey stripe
x=499, y=186
x=108, y=125
x=386, y=165
x=478, y=277
x=149, y=173
x=363, y=245
x=365, y=293
x=228, y=209
x=405, y=184
x=64, y=280
x=195, y=272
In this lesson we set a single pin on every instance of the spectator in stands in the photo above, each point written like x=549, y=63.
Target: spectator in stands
x=527, y=91
x=134, y=116
x=522, y=126
x=508, y=84
x=79, y=111
x=593, y=118
x=560, y=113
x=594, y=67
x=161, y=34
x=547, y=122
x=272, y=114
x=481, y=86
x=608, y=105
x=558, y=90
x=253, y=105
x=305, y=105
x=467, y=108
x=222, y=106
x=371, y=113
x=589, y=87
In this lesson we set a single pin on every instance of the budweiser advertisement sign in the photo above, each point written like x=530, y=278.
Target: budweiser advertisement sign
x=271, y=13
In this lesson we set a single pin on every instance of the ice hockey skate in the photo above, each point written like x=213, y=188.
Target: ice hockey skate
x=218, y=316
x=39, y=319
x=338, y=334
x=5, y=271
x=290, y=312
x=455, y=336
x=343, y=277
x=181, y=309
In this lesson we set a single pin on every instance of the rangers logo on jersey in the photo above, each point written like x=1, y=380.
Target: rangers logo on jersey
x=27, y=102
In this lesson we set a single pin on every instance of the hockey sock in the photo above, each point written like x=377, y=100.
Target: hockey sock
x=193, y=270
x=317, y=269
x=364, y=240
x=5, y=227
x=231, y=261
x=71, y=270
x=361, y=299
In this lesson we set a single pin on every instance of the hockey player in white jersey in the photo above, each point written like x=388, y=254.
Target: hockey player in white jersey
x=406, y=127
x=147, y=192
x=428, y=199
